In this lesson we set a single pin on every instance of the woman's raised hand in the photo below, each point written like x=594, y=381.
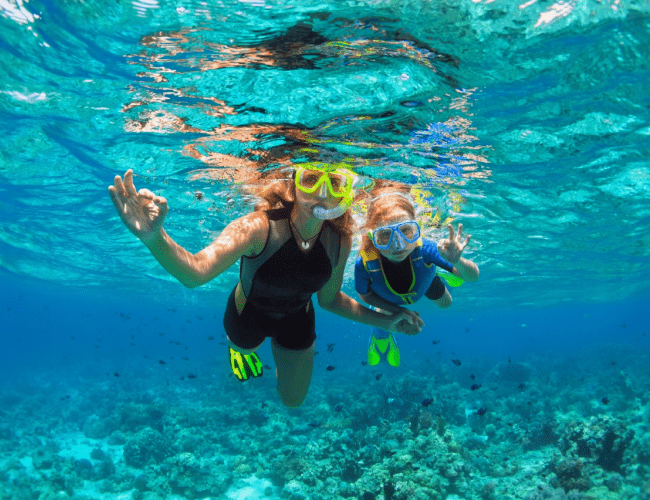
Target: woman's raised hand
x=142, y=212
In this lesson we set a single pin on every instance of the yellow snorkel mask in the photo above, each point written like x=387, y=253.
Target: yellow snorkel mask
x=310, y=177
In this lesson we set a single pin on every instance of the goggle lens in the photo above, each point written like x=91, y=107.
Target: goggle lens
x=310, y=180
x=384, y=237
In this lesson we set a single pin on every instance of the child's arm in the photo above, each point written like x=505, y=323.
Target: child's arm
x=452, y=249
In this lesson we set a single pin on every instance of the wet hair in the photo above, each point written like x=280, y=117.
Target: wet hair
x=385, y=199
x=276, y=190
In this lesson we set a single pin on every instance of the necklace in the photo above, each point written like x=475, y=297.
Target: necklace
x=305, y=243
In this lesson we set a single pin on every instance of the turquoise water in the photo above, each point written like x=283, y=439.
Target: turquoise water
x=527, y=122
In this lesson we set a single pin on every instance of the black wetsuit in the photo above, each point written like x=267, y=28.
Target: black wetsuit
x=278, y=285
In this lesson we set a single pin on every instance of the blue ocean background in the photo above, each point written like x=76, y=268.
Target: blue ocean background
x=527, y=122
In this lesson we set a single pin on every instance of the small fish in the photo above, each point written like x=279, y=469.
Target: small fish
x=161, y=334
x=182, y=378
x=426, y=402
x=481, y=411
x=330, y=368
x=456, y=362
x=509, y=359
x=67, y=396
x=378, y=376
x=116, y=374
x=330, y=347
x=162, y=361
x=476, y=387
x=605, y=400
x=314, y=424
x=435, y=342
x=472, y=376
x=132, y=337
x=264, y=404
x=72, y=338
x=186, y=358
x=210, y=337
x=364, y=363
x=466, y=330
x=267, y=367
x=338, y=407
x=521, y=386
x=191, y=375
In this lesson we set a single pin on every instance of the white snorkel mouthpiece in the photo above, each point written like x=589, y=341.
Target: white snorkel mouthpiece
x=330, y=213
x=334, y=212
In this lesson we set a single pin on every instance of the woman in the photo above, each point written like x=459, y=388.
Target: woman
x=398, y=267
x=295, y=243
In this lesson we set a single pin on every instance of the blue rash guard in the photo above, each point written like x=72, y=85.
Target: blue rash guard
x=369, y=274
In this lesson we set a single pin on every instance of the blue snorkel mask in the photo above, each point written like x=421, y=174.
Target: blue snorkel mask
x=395, y=235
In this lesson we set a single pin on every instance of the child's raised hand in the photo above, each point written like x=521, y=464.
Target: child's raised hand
x=452, y=249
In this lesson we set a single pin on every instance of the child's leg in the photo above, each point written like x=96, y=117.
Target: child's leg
x=439, y=294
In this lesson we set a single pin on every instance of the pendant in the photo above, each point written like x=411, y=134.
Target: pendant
x=305, y=245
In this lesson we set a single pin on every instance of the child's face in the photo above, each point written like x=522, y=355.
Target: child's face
x=400, y=249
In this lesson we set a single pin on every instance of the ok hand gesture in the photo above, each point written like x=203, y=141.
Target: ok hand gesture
x=142, y=212
x=452, y=249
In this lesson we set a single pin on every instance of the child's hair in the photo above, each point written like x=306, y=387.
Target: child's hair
x=385, y=197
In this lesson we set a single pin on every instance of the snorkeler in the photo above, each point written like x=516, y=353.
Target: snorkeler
x=294, y=244
x=397, y=267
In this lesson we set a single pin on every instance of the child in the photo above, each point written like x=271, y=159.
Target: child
x=397, y=266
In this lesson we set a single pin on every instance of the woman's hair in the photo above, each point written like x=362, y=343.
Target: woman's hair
x=277, y=189
x=386, y=198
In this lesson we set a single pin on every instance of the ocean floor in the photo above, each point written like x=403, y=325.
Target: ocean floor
x=538, y=428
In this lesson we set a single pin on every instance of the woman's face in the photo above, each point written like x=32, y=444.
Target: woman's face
x=321, y=197
x=400, y=249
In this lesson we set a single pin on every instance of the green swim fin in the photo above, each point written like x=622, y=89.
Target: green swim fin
x=385, y=344
x=451, y=279
x=245, y=366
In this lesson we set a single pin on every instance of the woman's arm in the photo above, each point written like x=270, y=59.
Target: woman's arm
x=243, y=236
x=143, y=213
x=371, y=298
x=332, y=299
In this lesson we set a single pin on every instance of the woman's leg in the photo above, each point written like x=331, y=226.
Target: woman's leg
x=293, y=370
x=241, y=349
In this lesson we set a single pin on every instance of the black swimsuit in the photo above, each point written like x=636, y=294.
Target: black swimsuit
x=278, y=285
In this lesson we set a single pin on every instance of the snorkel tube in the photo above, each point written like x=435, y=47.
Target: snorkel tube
x=334, y=212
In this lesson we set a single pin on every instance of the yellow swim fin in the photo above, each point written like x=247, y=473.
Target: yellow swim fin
x=392, y=356
x=245, y=366
x=385, y=344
